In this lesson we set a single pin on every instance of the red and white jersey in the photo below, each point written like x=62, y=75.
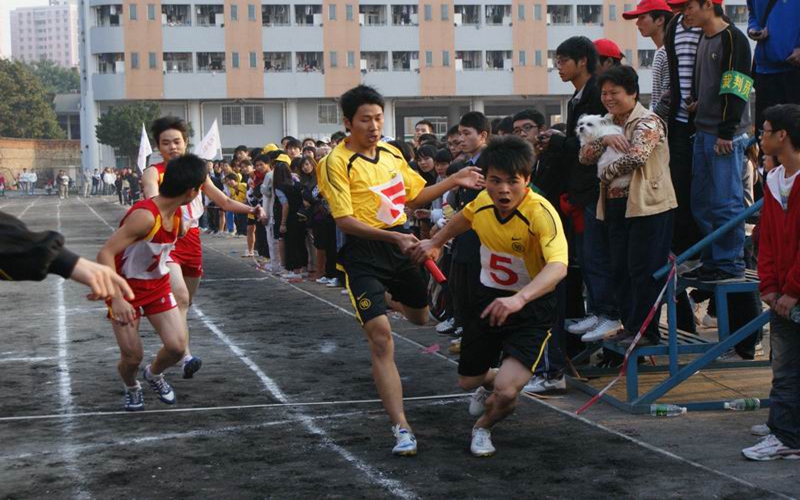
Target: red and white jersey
x=191, y=211
x=144, y=263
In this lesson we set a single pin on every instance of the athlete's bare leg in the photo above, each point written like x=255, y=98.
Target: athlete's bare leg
x=508, y=383
x=486, y=380
x=131, y=351
x=170, y=327
x=251, y=238
x=183, y=288
x=384, y=370
x=417, y=316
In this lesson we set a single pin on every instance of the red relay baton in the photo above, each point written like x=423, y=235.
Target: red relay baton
x=437, y=274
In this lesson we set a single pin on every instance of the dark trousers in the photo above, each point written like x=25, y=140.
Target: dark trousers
x=261, y=240
x=775, y=88
x=464, y=279
x=241, y=223
x=595, y=263
x=685, y=231
x=784, y=411
x=639, y=247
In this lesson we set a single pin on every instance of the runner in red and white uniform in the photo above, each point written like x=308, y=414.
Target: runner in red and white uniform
x=186, y=261
x=139, y=250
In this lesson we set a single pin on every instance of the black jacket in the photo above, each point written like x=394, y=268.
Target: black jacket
x=583, y=187
x=29, y=256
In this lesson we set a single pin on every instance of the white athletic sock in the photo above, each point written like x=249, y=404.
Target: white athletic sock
x=185, y=359
x=134, y=388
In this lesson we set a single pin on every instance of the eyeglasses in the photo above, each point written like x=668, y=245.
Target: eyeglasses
x=525, y=128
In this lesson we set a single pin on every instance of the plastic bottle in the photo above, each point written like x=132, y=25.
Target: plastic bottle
x=660, y=410
x=794, y=314
x=745, y=404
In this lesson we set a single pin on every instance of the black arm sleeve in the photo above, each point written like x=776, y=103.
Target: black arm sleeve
x=29, y=256
x=738, y=59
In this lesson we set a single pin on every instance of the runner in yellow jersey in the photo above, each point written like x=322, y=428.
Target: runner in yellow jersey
x=368, y=185
x=523, y=257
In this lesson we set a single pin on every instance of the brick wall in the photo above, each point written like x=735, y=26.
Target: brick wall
x=44, y=157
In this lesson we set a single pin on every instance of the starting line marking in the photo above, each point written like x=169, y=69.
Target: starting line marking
x=56, y=416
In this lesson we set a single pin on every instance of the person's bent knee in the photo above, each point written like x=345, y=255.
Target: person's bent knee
x=506, y=396
x=131, y=358
x=418, y=317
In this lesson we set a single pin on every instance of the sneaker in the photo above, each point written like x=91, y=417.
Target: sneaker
x=770, y=448
x=291, y=275
x=334, y=283
x=477, y=403
x=192, y=366
x=543, y=385
x=446, y=326
x=759, y=349
x=481, y=445
x=583, y=325
x=455, y=347
x=709, y=321
x=134, y=399
x=458, y=332
x=601, y=330
x=760, y=430
x=247, y=254
x=406, y=442
x=160, y=386
x=730, y=355
x=322, y=281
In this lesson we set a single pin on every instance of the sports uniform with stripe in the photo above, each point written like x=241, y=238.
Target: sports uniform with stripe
x=143, y=264
x=188, y=251
x=513, y=251
x=374, y=191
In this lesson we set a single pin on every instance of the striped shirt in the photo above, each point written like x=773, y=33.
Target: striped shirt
x=686, y=42
x=660, y=82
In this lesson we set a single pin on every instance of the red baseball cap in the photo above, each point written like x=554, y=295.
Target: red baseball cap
x=607, y=48
x=678, y=3
x=646, y=6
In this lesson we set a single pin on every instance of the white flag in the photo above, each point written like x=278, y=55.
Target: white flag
x=210, y=148
x=144, y=150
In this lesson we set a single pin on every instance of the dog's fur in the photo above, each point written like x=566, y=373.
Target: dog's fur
x=593, y=127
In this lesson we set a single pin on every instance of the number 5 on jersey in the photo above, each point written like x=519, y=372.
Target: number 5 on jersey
x=503, y=271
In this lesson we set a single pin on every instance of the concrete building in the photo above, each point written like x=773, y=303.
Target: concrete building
x=269, y=68
x=48, y=32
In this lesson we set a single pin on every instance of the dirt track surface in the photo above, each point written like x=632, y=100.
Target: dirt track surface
x=265, y=342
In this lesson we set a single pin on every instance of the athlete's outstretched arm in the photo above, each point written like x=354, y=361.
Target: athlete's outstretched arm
x=228, y=204
x=544, y=283
x=468, y=177
x=350, y=225
x=429, y=249
x=150, y=182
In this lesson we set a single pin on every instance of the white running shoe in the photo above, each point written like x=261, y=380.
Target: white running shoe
x=134, y=399
x=446, y=326
x=481, y=445
x=583, y=325
x=323, y=281
x=770, y=448
x=477, y=403
x=760, y=430
x=406, y=442
x=334, y=283
x=542, y=385
x=160, y=385
x=604, y=328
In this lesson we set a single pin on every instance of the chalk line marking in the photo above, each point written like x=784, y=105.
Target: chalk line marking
x=28, y=359
x=374, y=475
x=22, y=214
x=566, y=413
x=202, y=409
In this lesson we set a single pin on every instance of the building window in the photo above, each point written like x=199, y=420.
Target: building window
x=537, y=12
x=428, y=12
x=151, y=12
x=334, y=59
x=498, y=15
x=351, y=59
x=277, y=62
x=234, y=12
x=538, y=56
x=306, y=15
x=210, y=15
x=253, y=114
x=132, y=12
x=471, y=60
x=523, y=58
x=176, y=15
x=551, y=60
x=134, y=60
x=275, y=15
x=428, y=58
x=559, y=15
x=235, y=59
x=405, y=61
x=308, y=62
x=498, y=60
x=446, y=58
x=612, y=12
x=210, y=61
x=521, y=12
x=231, y=115
x=590, y=15
x=251, y=12
x=467, y=14
x=445, y=12
x=253, y=60
x=178, y=62
x=332, y=12
x=629, y=56
x=152, y=60
x=328, y=113
x=375, y=61
x=646, y=58
x=737, y=13
x=349, y=11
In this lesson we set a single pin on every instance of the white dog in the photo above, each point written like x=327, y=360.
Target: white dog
x=593, y=127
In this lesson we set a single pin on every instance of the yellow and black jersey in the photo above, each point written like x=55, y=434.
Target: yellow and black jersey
x=374, y=191
x=515, y=249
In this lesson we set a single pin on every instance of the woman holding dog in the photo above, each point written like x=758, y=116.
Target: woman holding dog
x=636, y=201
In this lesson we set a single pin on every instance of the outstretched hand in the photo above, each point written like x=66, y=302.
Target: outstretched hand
x=423, y=251
x=104, y=282
x=469, y=177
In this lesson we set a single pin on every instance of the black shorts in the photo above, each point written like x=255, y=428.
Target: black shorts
x=522, y=336
x=372, y=268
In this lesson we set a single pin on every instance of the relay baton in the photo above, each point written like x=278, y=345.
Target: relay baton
x=437, y=274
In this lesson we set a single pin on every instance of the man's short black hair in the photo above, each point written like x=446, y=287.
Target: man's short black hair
x=509, y=154
x=232, y=177
x=533, y=115
x=274, y=154
x=666, y=15
x=288, y=138
x=294, y=143
x=614, y=61
x=506, y=125
x=313, y=149
x=577, y=48
x=338, y=137
x=254, y=153
x=262, y=158
x=182, y=174
x=426, y=151
x=443, y=156
x=624, y=76
x=356, y=97
x=476, y=120
x=452, y=131
x=165, y=123
x=785, y=117
x=428, y=138
x=241, y=147
x=428, y=123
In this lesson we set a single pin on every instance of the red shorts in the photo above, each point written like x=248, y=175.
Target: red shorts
x=150, y=306
x=188, y=254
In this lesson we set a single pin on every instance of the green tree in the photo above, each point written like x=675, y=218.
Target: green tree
x=25, y=107
x=56, y=80
x=121, y=127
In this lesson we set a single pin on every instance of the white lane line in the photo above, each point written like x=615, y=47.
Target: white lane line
x=572, y=415
x=28, y=359
x=22, y=214
x=96, y=214
x=443, y=398
x=374, y=475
